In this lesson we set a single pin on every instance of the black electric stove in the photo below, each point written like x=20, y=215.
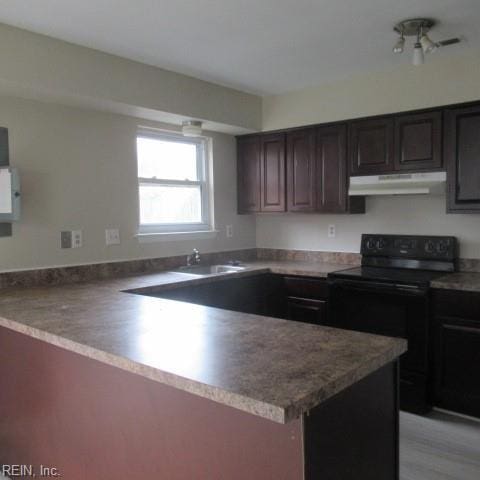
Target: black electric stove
x=388, y=295
x=412, y=259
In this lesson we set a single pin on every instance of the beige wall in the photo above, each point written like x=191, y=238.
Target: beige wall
x=78, y=170
x=411, y=214
x=440, y=81
x=40, y=67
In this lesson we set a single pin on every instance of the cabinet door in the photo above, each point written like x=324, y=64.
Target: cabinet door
x=371, y=146
x=462, y=155
x=301, y=170
x=457, y=357
x=331, y=168
x=418, y=141
x=307, y=310
x=248, y=174
x=273, y=173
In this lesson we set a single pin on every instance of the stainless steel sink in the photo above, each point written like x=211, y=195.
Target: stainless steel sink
x=209, y=269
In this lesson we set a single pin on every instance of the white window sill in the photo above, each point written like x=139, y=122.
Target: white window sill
x=175, y=236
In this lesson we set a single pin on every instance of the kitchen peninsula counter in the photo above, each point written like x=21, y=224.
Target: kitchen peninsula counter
x=275, y=370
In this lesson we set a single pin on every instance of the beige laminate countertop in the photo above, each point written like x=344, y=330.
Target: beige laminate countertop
x=273, y=368
x=466, y=281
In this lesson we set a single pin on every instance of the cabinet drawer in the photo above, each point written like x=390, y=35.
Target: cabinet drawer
x=307, y=310
x=455, y=303
x=303, y=287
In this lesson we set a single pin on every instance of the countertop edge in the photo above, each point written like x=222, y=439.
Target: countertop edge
x=249, y=405
x=347, y=380
x=216, y=394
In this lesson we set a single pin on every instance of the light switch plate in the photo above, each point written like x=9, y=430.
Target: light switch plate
x=229, y=231
x=112, y=236
x=77, y=238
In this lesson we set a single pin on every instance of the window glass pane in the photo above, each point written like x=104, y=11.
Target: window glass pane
x=170, y=204
x=166, y=159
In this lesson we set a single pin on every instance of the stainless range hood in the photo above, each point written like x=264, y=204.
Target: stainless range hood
x=399, y=184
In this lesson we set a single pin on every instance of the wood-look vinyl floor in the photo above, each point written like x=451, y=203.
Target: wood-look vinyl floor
x=439, y=446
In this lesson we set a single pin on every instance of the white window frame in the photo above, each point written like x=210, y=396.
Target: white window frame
x=204, y=175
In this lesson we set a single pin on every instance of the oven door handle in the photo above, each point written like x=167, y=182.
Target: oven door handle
x=372, y=287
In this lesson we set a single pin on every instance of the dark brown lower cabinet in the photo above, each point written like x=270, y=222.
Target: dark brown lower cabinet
x=306, y=310
x=456, y=345
x=306, y=299
x=457, y=378
x=302, y=299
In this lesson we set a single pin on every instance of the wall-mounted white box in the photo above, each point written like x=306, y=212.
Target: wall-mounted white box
x=9, y=194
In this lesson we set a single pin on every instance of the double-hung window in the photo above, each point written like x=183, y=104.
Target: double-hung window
x=173, y=183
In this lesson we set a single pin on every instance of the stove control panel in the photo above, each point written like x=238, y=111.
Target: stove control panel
x=410, y=246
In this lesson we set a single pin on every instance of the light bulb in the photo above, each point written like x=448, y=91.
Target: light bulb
x=427, y=45
x=398, y=48
x=418, y=57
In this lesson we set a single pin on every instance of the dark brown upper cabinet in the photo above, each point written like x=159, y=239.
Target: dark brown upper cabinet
x=372, y=146
x=248, y=174
x=331, y=172
x=272, y=173
x=418, y=141
x=301, y=185
x=462, y=156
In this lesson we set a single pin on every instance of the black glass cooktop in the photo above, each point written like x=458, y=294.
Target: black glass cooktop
x=389, y=275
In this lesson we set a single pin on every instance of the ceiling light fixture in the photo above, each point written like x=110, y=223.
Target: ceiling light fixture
x=192, y=128
x=419, y=27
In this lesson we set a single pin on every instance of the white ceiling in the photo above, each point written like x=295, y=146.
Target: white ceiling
x=260, y=46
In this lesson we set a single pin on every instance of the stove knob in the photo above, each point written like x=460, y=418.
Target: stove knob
x=370, y=244
x=430, y=246
x=381, y=244
x=442, y=247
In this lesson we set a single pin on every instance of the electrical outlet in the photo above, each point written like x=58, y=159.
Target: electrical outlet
x=331, y=231
x=112, y=236
x=229, y=230
x=66, y=239
x=77, y=240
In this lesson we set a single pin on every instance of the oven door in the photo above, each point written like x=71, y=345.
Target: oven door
x=384, y=309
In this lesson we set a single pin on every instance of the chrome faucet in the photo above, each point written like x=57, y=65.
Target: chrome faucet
x=193, y=258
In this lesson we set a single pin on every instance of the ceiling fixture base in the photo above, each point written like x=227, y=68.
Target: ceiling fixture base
x=412, y=26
